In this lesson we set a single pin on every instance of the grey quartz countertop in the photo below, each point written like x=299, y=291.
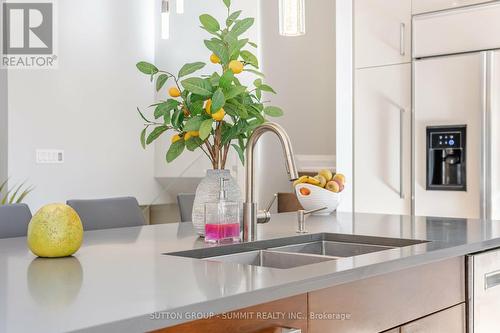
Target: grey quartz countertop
x=120, y=277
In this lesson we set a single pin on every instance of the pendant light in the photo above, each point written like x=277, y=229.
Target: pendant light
x=292, y=17
x=165, y=19
x=179, y=7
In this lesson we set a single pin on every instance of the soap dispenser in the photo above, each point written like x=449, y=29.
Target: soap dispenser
x=222, y=220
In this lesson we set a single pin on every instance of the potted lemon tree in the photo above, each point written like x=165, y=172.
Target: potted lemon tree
x=213, y=113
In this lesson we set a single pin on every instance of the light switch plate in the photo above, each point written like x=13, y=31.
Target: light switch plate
x=49, y=156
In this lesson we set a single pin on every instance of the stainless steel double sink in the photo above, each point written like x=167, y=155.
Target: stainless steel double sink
x=297, y=251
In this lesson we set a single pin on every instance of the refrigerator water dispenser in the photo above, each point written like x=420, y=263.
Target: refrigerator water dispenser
x=446, y=158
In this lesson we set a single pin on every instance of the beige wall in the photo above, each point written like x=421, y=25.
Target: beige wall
x=302, y=71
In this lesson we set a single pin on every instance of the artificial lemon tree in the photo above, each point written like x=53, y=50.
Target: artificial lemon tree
x=211, y=112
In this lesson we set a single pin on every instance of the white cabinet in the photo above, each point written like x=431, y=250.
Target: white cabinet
x=382, y=127
x=424, y=6
x=382, y=30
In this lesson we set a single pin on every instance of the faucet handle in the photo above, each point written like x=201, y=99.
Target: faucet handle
x=301, y=219
x=264, y=216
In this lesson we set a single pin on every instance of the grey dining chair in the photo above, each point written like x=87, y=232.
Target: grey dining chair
x=14, y=220
x=108, y=213
x=185, y=202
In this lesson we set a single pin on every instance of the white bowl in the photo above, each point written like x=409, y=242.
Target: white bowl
x=318, y=198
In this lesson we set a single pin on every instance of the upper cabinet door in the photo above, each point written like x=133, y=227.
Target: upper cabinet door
x=424, y=6
x=382, y=30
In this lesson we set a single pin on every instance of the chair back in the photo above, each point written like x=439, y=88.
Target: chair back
x=14, y=220
x=185, y=202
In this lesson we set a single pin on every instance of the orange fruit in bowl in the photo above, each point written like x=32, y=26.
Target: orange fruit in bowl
x=305, y=191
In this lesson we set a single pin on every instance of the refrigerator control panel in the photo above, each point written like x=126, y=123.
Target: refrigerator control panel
x=446, y=140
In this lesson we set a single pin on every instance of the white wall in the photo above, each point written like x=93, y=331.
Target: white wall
x=87, y=106
x=302, y=71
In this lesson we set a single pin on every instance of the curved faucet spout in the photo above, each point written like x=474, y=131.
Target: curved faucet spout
x=250, y=206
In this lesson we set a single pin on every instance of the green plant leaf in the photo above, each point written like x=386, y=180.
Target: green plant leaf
x=250, y=58
x=233, y=17
x=240, y=27
x=273, y=111
x=196, y=107
x=234, y=91
x=227, y=3
x=177, y=119
x=252, y=44
x=175, y=150
x=218, y=100
x=226, y=79
x=193, y=124
x=147, y=68
x=160, y=81
x=24, y=194
x=197, y=86
x=193, y=143
x=209, y=23
x=267, y=88
x=190, y=68
x=235, y=48
x=214, y=79
x=219, y=49
x=164, y=108
x=206, y=128
x=253, y=71
x=257, y=83
x=155, y=134
x=143, y=137
x=240, y=152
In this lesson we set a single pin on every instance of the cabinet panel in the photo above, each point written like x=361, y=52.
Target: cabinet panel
x=383, y=140
x=253, y=319
x=382, y=30
x=449, y=320
x=424, y=6
x=382, y=302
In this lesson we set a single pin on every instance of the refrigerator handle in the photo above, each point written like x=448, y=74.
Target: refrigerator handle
x=401, y=152
x=402, y=30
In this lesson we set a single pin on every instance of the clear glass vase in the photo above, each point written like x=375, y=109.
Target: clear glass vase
x=208, y=191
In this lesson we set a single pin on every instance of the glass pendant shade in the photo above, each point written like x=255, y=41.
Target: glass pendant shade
x=292, y=17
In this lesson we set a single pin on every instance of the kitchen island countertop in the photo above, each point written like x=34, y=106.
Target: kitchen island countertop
x=120, y=280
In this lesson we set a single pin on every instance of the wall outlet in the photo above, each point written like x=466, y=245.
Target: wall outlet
x=49, y=156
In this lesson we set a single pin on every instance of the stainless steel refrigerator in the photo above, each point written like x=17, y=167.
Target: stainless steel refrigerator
x=456, y=92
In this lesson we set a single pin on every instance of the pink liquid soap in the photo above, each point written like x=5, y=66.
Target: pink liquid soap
x=217, y=233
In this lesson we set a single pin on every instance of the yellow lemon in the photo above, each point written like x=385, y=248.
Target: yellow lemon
x=214, y=59
x=174, y=92
x=219, y=115
x=187, y=136
x=55, y=231
x=194, y=134
x=176, y=138
x=208, y=106
x=236, y=66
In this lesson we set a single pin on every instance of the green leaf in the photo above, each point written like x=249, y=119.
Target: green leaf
x=190, y=68
x=235, y=47
x=209, y=23
x=175, y=150
x=193, y=124
x=214, y=79
x=226, y=79
x=218, y=47
x=177, y=119
x=240, y=27
x=143, y=137
x=233, y=17
x=155, y=134
x=235, y=91
x=240, y=152
x=206, y=128
x=267, y=88
x=193, y=143
x=147, y=68
x=273, y=111
x=196, y=107
x=257, y=83
x=160, y=81
x=218, y=100
x=197, y=86
x=253, y=71
x=253, y=44
x=227, y=3
x=164, y=108
x=142, y=116
x=249, y=58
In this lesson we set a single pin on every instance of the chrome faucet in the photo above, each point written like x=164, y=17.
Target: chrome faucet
x=252, y=216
